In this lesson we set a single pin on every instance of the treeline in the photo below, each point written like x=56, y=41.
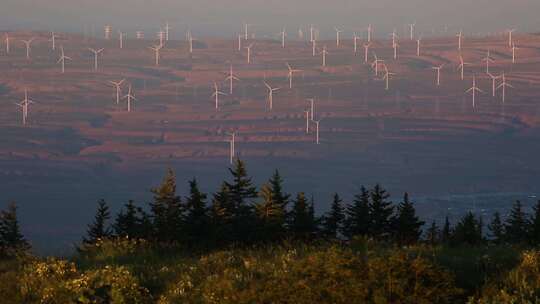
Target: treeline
x=240, y=214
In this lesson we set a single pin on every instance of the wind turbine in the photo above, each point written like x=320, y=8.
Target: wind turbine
x=460, y=39
x=232, y=151
x=438, y=68
x=190, y=40
x=231, y=78
x=121, y=39
x=239, y=42
x=488, y=60
x=283, y=34
x=7, y=43
x=493, y=83
x=313, y=47
x=24, y=106
x=461, y=66
x=249, y=53
x=369, y=33
x=418, y=42
x=53, y=40
x=307, y=121
x=129, y=98
x=355, y=42
x=317, y=122
x=504, y=85
x=338, y=32
x=366, y=51
x=394, y=38
x=311, y=36
x=474, y=89
x=324, y=53
x=510, y=41
x=118, y=86
x=514, y=48
x=386, y=77
x=216, y=94
x=270, y=94
x=28, y=46
x=167, y=29
x=411, y=29
x=246, y=26
x=161, y=36
x=290, y=74
x=396, y=46
x=375, y=64
x=96, y=55
x=156, y=49
x=312, y=106
x=63, y=58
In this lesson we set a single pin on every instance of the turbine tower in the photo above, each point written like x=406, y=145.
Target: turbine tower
x=312, y=107
x=118, y=86
x=156, y=49
x=338, y=32
x=121, y=39
x=290, y=74
x=231, y=78
x=232, y=152
x=270, y=95
x=510, y=41
x=283, y=34
x=53, y=41
x=386, y=77
x=474, y=89
x=504, y=85
x=317, y=122
x=375, y=64
x=129, y=98
x=249, y=53
x=28, y=46
x=167, y=30
x=63, y=58
x=418, y=42
x=438, y=69
x=461, y=66
x=96, y=55
x=307, y=121
x=411, y=30
x=7, y=39
x=366, y=51
x=355, y=43
x=514, y=48
x=460, y=39
x=216, y=94
x=25, y=103
x=493, y=83
x=324, y=53
x=488, y=60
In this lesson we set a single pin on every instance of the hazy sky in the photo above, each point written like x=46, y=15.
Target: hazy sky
x=222, y=17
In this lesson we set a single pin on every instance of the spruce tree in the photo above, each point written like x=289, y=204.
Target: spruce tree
x=446, y=233
x=381, y=211
x=407, y=224
x=357, y=215
x=302, y=224
x=433, y=234
x=221, y=215
x=11, y=237
x=99, y=229
x=128, y=223
x=516, y=225
x=468, y=230
x=496, y=228
x=535, y=226
x=167, y=210
x=334, y=218
x=197, y=219
x=271, y=210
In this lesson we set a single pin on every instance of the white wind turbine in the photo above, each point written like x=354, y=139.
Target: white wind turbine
x=271, y=94
x=156, y=49
x=96, y=55
x=249, y=53
x=474, y=89
x=460, y=39
x=510, y=41
x=493, y=83
x=283, y=34
x=25, y=103
x=395, y=46
x=28, y=46
x=232, y=151
x=53, y=41
x=190, y=41
x=313, y=47
x=514, y=48
x=118, y=86
x=386, y=77
x=129, y=98
x=121, y=39
x=161, y=37
x=231, y=78
x=461, y=66
x=317, y=122
x=311, y=33
x=366, y=51
x=324, y=53
x=312, y=107
x=411, y=30
x=338, y=32
x=488, y=60
x=418, y=42
x=504, y=85
x=369, y=32
x=307, y=121
x=246, y=31
x=394, y=37
x=63, y=59
x=216, y=94
x=291, y=74
x=7, y=39
x=355, y=42
x=167, y=30
x=438, y=69
x=375, y=64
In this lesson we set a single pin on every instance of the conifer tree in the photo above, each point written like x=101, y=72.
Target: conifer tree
x=11, y=237
x=128, y=222
x=468, y=230
x=446, y=233
x=334, y=218
x=496, y=228
x=197, y=219
x=99, y=229
x=357, y=215
x=433, y=234
x=516, y=225
x=535, y=225
x=302, y=224
x=381, y=211
x=167, y=210
x=271, y=211
x=407, y=224
x=221, y=215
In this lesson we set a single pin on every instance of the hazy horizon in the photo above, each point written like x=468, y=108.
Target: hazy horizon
x=226, y=17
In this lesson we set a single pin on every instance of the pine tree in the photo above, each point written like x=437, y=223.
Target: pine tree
x=433, y=234
x=128, y=222
x=11, y=237
x=381, y=212
x=446, y=234
x=535, y=225
x=167, y=210
x=496, y=228
x=516, y=226
x=357, y=215
x=302, y=224
x=271, y=211
x=221, y=215
x=99, y=228
x=334, y=218
x=241, y=194
x=197, y=219
x=407, y=224
x=468, y=230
